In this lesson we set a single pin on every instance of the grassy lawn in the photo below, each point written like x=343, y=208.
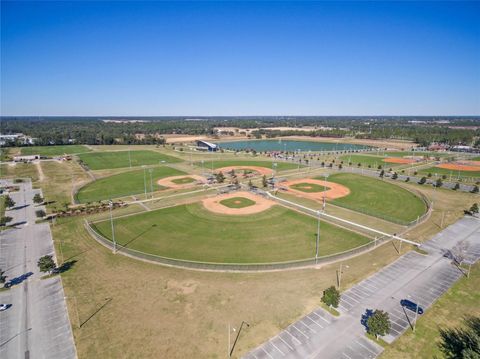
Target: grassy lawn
x=20, y=170
x=2, y=206
x=455, y=174
x=124, y=184
x=308, y=187
x=237, y=202
x=459, y=301
x=281, y=166
x=415, y=153
x=476, y=158
x=366, y=160
x=183, y=180
x=190, y=232
x=378, y=198
x=54, y=150
x=120, y=159
x=4, y=153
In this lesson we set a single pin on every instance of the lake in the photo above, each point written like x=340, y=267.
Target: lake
x=289, y=145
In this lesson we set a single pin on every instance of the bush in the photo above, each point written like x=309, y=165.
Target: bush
x=422, y=180
x=5, y=220
x=331, y=297
x=474, y=208
x=407, y=179
x=40, y=213
x=457, y=186
x=438, y=183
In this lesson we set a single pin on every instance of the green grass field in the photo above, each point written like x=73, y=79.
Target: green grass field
x=366, y=160
x=414, y=153
x=120, y=159
x=237, y=202
x=281, y=166
x=455, y=174
x=378, y=198
x=2, y=206
x=124, y=184
x=192, y=233
x=308, y=187
x=54, y=150
x=183, y=180
x=475, y=158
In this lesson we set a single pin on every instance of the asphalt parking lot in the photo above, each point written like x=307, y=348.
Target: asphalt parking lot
x=414, y=276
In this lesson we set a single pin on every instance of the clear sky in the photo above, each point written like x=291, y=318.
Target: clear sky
x=240, y=58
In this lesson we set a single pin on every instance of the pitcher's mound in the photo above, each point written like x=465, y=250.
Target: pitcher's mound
x=237, y=203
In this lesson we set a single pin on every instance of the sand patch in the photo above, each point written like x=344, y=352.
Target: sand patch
x=167, y=181
x=261, y=204
x=334, y=190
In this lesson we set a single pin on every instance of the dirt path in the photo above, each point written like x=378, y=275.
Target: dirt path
x=41, y=175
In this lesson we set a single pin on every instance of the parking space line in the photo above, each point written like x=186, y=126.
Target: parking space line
x=356, y=341
x=288, y=345
x=299, y=342
x=305, y=335
x=277, y=348
x=314, y=322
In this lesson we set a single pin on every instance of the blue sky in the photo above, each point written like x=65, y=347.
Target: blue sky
x=240, y=58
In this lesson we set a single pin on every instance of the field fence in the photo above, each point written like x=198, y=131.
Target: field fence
x=233, y=267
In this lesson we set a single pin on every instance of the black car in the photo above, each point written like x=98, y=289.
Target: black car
x=411, y=305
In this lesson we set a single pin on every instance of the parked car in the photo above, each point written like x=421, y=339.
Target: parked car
x=411, y=306
x=4, y=306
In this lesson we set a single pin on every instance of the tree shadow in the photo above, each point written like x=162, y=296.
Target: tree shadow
x=461, y=342
x=138, y=236
x=65, y=267
x=19, y=207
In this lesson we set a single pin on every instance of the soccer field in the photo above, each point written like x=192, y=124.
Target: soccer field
x=190, y=232
x=124, y=184
x=54, y=150
x=122, y=159
x=378, y=198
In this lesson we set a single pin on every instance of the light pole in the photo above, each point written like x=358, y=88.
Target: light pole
x=151, y=182
x=129, y=158
x=340, y=274
x=145, y=181
x=318, y=237
x=110, y=205
x=236, y=338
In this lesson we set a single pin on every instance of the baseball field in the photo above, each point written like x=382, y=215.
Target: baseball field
x=193, y=233
x=125, y=184
x=122, y=159
x=281, y=166
x=367, y=160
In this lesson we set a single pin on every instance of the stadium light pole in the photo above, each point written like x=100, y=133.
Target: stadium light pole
x=318, y=237
x=151, y=182
x=145, y=181
x=110, y=205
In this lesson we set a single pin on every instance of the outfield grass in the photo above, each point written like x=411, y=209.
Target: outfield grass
x=458, y=302
x=192, y=233
x=378, y=198
x=54, y=150
x=124, y=184
x=308, y=187
x=281, y=166
x=237, y=202
x=366, y=160
x=121, y=159
x=415, y=153
x=183, y=180
x=454, y=173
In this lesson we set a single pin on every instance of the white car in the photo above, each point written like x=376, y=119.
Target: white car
x=3, y=307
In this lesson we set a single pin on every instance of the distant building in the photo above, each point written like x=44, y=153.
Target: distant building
x=26, y=158
x=5, y=140
x=206, y=146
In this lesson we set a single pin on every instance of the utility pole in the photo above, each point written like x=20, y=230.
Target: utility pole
x=151, y=182
x=145, y=181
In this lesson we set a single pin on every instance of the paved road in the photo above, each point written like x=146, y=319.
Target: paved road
x=420, y=278
x=37, y=323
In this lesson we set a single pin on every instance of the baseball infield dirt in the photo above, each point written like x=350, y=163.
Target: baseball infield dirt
x=334, y=190
x=458, y=167
x=399, y=160
x=239, y=170
x=213, y=204
x=167, y=181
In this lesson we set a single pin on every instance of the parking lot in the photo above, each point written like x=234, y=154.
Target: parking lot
x=419, y=278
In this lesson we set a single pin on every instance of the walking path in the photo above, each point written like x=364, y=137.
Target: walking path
x=419, y=278
x=37, y=323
